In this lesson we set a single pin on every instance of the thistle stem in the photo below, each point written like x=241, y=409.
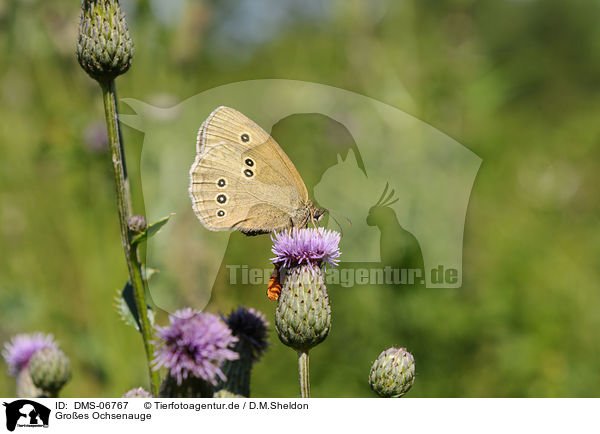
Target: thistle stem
x=303, y=374
x=109, y=93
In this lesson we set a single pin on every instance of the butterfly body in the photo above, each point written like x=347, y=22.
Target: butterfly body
x=242, y=180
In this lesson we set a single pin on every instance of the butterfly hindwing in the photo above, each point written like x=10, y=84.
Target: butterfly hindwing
x=241, y=178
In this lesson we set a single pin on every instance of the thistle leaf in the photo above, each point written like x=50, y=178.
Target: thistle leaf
x=152, y=230
x=127, y=309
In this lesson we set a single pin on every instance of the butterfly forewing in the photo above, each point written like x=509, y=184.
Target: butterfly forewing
x=241, y=178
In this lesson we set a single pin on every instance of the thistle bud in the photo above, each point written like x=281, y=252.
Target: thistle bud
x=50, y=370
x=393, y=373
x=137, y=392
x=104, y=47
x=303, y=315
x=137, y=224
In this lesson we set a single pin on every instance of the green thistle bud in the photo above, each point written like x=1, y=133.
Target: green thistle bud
x=25, y=386
x=393, y=373
x=104, y=47
x=226, y=394
x=50, y=370
x=303, y=315
x=137, y=392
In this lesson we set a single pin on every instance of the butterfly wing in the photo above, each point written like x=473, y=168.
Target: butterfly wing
x=241, y=178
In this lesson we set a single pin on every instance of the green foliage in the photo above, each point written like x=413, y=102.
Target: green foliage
x=127, y=309
x=125, y=302
x=153, y=229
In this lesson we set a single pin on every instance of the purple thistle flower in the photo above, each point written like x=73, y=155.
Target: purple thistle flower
x=137, y=392
x=250, y=327
x=21, y=347
x=309, y=246
x=194, y=344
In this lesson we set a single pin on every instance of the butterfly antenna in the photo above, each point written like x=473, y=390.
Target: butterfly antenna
x=341, y=215
x=337, y=222
x=339, y=226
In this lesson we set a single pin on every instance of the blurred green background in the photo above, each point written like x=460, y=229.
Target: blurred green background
x=517, y=82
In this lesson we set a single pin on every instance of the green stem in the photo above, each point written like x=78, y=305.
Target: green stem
x=303, y=374
x=109, y=93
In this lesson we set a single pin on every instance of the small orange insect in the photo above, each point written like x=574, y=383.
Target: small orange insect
x=274, y=287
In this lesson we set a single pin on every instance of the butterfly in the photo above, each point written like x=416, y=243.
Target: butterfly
x=242, y=180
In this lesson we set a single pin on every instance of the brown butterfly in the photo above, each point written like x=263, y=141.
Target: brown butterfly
x=242, y=180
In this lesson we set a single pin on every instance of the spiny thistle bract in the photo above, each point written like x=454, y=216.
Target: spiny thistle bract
x=50, y=370
x=393, y=373
x=104, y=47
x=303, y=315
x=250, y=327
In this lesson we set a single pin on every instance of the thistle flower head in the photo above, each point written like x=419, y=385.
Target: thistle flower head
x=50, y=370
x=104, y=47
x=19, y=350
x=303, y=314
x=306, y=246
x=194, y=344
x=250, y=327
x=393, y=373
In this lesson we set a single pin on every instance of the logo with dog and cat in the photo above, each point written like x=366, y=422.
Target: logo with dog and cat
x=25, y=413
